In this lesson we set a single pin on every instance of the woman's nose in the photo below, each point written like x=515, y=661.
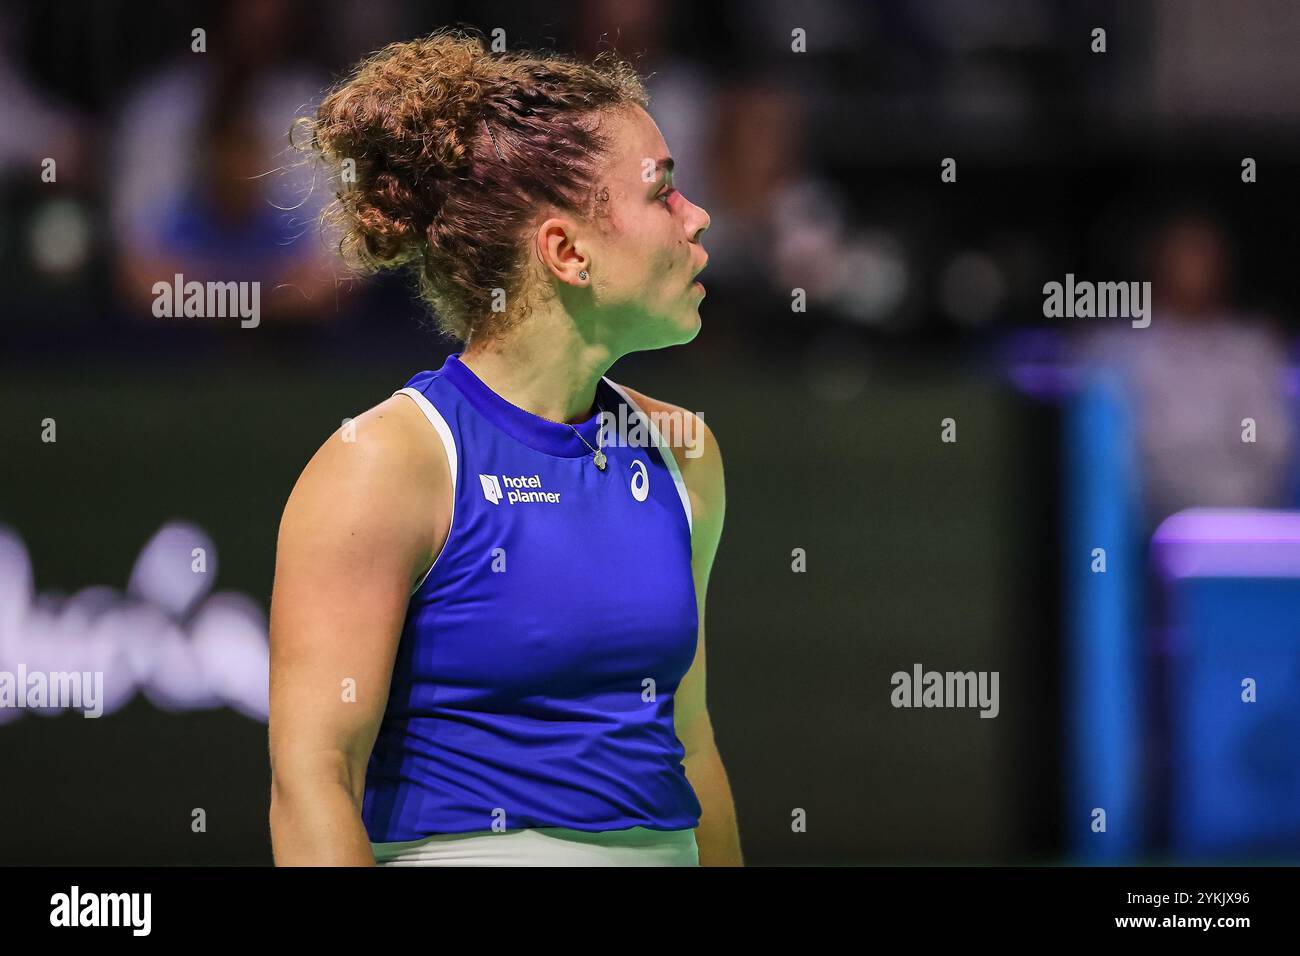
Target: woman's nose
x=700, y=224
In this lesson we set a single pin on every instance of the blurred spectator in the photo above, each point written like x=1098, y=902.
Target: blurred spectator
x=1234, y=61
x=205, y=183
x=1194, y=374
x=779, y=225
x=36, y=126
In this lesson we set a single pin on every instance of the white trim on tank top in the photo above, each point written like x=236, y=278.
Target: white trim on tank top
x=667, y=452
x=449, y=443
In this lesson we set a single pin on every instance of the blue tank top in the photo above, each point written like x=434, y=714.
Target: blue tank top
x=541, y=653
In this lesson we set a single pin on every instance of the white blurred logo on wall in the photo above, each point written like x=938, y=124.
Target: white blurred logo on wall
x=167, y=637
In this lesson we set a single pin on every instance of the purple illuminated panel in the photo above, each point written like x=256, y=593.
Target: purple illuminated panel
x=1236, y=543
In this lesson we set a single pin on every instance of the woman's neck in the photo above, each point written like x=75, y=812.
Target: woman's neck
x=547, y=373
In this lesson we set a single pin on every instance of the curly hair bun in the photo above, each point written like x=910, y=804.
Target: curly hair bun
x=422, y=179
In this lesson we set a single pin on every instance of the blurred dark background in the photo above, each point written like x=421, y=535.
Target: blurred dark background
x=924, y=301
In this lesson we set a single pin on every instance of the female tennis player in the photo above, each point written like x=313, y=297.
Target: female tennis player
x=487, y=626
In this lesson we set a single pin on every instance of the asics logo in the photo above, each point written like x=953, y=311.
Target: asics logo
x=640, y=481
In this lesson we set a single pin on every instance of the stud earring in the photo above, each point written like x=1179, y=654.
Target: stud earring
x=582, y=274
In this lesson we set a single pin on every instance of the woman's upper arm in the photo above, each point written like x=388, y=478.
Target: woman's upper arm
x=705, y=484
x=362, y=523
x=699, y=459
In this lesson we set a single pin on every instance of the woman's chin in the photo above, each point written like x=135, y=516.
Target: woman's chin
x=675, y=330
x=693, y=323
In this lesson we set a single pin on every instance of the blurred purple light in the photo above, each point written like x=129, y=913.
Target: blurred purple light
x=1238, y=542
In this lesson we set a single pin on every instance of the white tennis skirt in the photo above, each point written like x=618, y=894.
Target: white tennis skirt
x=545, y=846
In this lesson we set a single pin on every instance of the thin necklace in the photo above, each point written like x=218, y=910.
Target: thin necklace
x=599, y=457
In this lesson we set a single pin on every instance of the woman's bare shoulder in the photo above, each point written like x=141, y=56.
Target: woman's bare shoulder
x=381, y=480
x=387, y=444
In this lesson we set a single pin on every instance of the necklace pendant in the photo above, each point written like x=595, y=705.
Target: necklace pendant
x=600, y=460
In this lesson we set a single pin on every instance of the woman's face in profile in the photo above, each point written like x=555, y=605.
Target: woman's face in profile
x=647, y=249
